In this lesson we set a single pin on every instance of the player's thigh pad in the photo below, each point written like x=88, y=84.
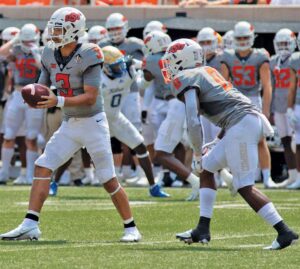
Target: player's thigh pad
x=125, y=131
x=241, y=149
x=171, y=130
x=34, y=122
x=297, y=126
x=96, y=138
x=282, y=125
x=60, y=148
x=14, y=116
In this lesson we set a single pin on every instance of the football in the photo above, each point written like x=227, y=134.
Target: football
x=32, y=93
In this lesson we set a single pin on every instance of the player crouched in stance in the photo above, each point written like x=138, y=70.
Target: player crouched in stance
x=204, y=91
x=74, y=69
x=117, y=77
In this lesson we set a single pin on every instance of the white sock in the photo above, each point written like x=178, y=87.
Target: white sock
x=31, y=157
x=29, y=222
x=7, y=154
x=193, y=180
x=293, y=174
x=89, y=172
x=207, y=200
x=126, y=170
x=23, y=171
x=266, y=175
x=269, y=213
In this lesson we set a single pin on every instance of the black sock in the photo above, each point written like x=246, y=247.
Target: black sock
x=204, y=222
x=32, y=217
x=129, y=225
x=281, y=227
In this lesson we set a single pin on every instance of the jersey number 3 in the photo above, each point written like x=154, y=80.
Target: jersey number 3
x=65, y=78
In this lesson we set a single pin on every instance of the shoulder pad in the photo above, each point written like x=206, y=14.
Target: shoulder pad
x=91, y=55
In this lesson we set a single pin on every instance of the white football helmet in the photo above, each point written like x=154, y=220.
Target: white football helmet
x=29, y=36
x=66, y=25
x=284, y=42
x=117, y=27
x=243, y=36
x=208, y=35
x=154, y=26
x=9, y=33
x=156, y=41
x=97, y=33
x=228, y=40
x=46, y=37
x=84, y=39
x=181, y=54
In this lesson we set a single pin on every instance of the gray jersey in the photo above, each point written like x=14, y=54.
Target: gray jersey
x=215, y=61
x=280, y=75
x=244, y=72
x=153, y=64
x=294, y=64
x=25, y=69
x=220, y=103
x=81, y=68
x=130, y=46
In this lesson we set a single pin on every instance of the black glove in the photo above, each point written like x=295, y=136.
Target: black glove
x=144, y=116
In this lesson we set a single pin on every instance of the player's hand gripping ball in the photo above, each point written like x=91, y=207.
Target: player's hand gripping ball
x=32, y=94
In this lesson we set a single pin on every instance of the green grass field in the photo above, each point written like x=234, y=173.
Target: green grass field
x=81, y=229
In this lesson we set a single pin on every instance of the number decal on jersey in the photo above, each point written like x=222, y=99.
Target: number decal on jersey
x=65, y=78
x=282, y=78
x=27, y=68
x=244, y=75
x=226, y=85
x=116, y=100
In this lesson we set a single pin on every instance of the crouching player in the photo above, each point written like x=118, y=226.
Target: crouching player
x=204, y=91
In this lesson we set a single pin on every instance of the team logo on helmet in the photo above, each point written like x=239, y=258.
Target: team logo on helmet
x=147, y=39
x=72, y=17
x=176, y=47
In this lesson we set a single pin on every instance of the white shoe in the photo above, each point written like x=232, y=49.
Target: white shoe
x=286, y=183
x=177, y=183
x=270, y=184
x=87, y=180
x=228, y=179
x=295, y=185
x=21, y=180
x=22, y=233
x=95, y=182
x=131, y=235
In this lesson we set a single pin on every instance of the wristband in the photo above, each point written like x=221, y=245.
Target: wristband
x=60, y=101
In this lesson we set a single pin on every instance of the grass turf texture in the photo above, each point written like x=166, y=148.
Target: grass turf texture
x=80, y=229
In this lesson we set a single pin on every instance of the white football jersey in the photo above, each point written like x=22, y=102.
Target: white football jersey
x=114, y=92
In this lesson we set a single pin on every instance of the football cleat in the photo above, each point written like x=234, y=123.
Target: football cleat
x=285, y=183
x=53, y=188
x=295, y=185
x=270, y=184
x=283, y=241
x=21, y=180
x=131, y=235
x=22, y=233
x=87, y=180
x=198, y=235
x=156, y=191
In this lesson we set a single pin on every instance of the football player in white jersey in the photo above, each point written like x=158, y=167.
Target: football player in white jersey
x=27, y=63
x=249, y=70
x=205, y=92
x=116, y=79
x=74, y=69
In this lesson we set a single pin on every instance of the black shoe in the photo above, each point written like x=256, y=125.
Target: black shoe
x=167, y=180
x=197, y=235
x=78, y=182
x=284, y=240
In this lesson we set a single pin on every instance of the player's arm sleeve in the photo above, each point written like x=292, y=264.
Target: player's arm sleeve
x=193, y=120
x=44, y=78
x=92, y=76
x=265, y=58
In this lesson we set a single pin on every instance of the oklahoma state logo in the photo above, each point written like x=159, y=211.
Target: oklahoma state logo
x=72, y=17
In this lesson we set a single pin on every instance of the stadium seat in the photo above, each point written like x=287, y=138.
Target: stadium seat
x=8, y=2
x=34, y=2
